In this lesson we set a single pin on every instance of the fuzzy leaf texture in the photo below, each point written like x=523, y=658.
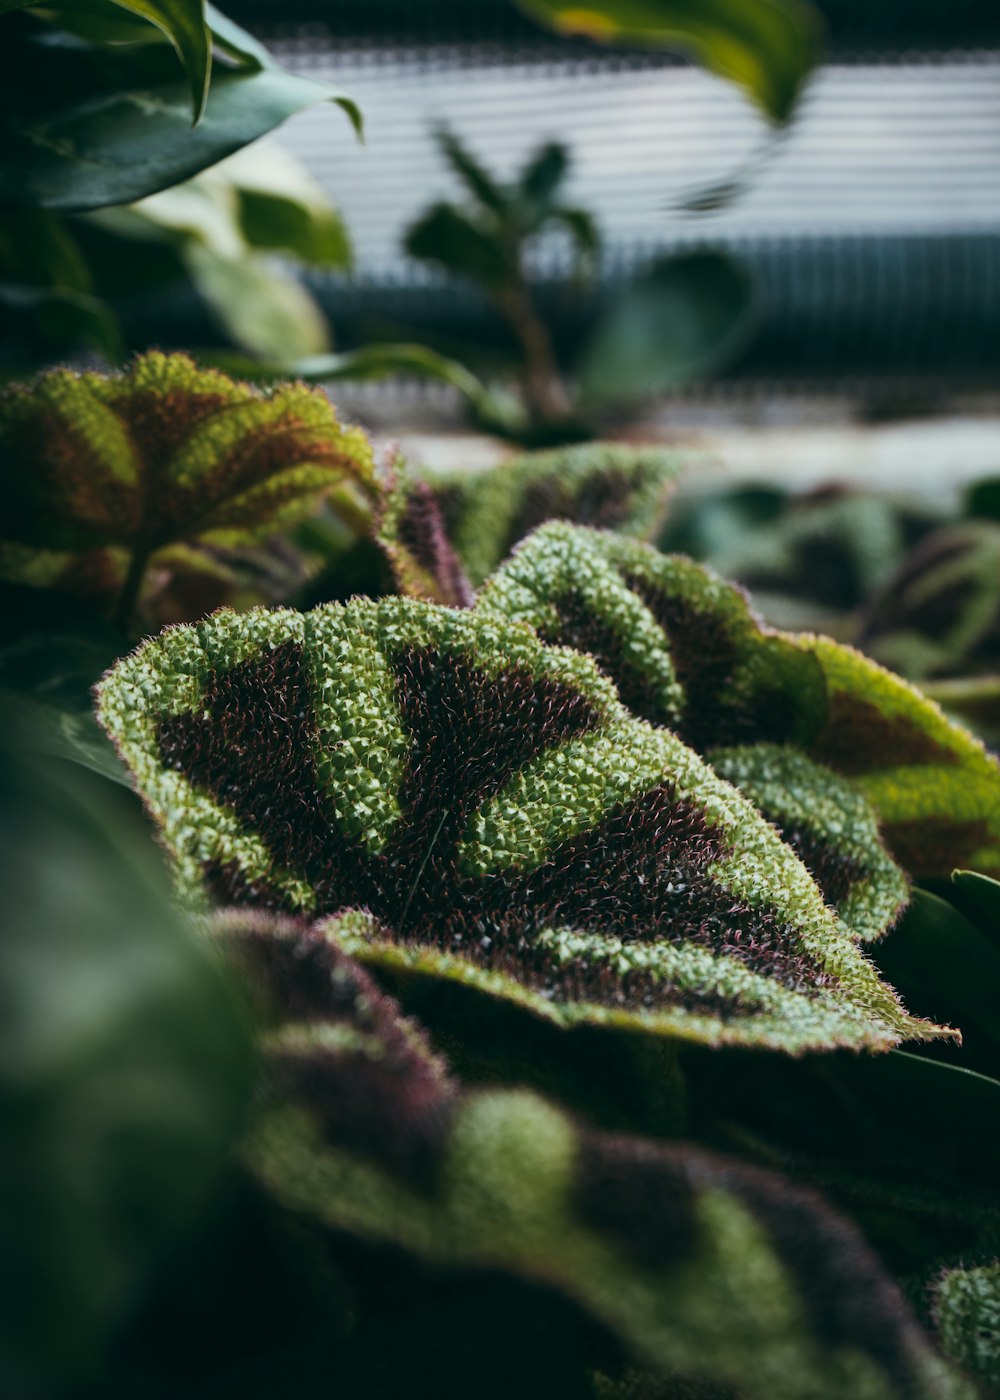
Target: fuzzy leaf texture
x=702, y=1268
x=686, y=651
x=410, y=530
x=603, y=484
x=101, y=468
x=967, y=1312
x=502, y=820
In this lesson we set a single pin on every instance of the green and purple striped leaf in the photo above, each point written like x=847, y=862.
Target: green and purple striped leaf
x=686, y=651
x=498, y=816
x=100, y=468
x=607, y=485
x=702, y=1268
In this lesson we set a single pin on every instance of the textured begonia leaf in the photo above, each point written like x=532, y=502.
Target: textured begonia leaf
x=681, y=644
x=831, y=827
x=606, y=485
x=410, y=530
x=934, y=786
x=685, y=650
x=502, y=820
x=702, y=1267
x=967, y=1312
x=330, y=1031
x=100, y=467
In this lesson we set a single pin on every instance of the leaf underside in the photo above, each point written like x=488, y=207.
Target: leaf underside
x=686, y=651
x=496, y=817
x=700, y=1266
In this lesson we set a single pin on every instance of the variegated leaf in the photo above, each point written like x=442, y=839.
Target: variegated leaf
x=967, y=1312
x=103, y=469
x=501, y=819
x=685, y=650
x=829, y=824
x=608, y=485
x=680, y=643
x=934, y=786
x=702, y=1268
x=410, y=531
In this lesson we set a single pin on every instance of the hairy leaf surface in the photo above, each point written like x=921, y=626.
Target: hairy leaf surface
x=606, y=485
x=100, y=468
x=410, y=530
x=700, y=1266
x=686, y=651
x=829, y=824
x=500, y=817
x=967, y=1310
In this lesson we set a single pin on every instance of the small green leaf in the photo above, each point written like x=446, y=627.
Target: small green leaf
x=507, y=827
x=679, y=320
x=283, y=207
x=378, y=361
x=474, y=176
x=581, y=227
x=768, y=47
x=608, y=485
x=451, y=238
x=540, y=180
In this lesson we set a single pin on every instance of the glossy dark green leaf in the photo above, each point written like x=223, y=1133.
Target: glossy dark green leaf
x=183, y=22
x=978, y=897
x=768, y=47
x=679, y=320
x=447, y=236
x=540, y=180
x=86, y=125
x=943, y=966
x=123, y=1075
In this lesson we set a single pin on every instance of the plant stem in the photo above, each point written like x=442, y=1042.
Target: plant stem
x=544, y=391
x=130, y=589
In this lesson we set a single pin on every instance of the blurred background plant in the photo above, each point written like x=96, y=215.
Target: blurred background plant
x=914, y=583
x=116, y=122
x=117, y=207
x=678, y=318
